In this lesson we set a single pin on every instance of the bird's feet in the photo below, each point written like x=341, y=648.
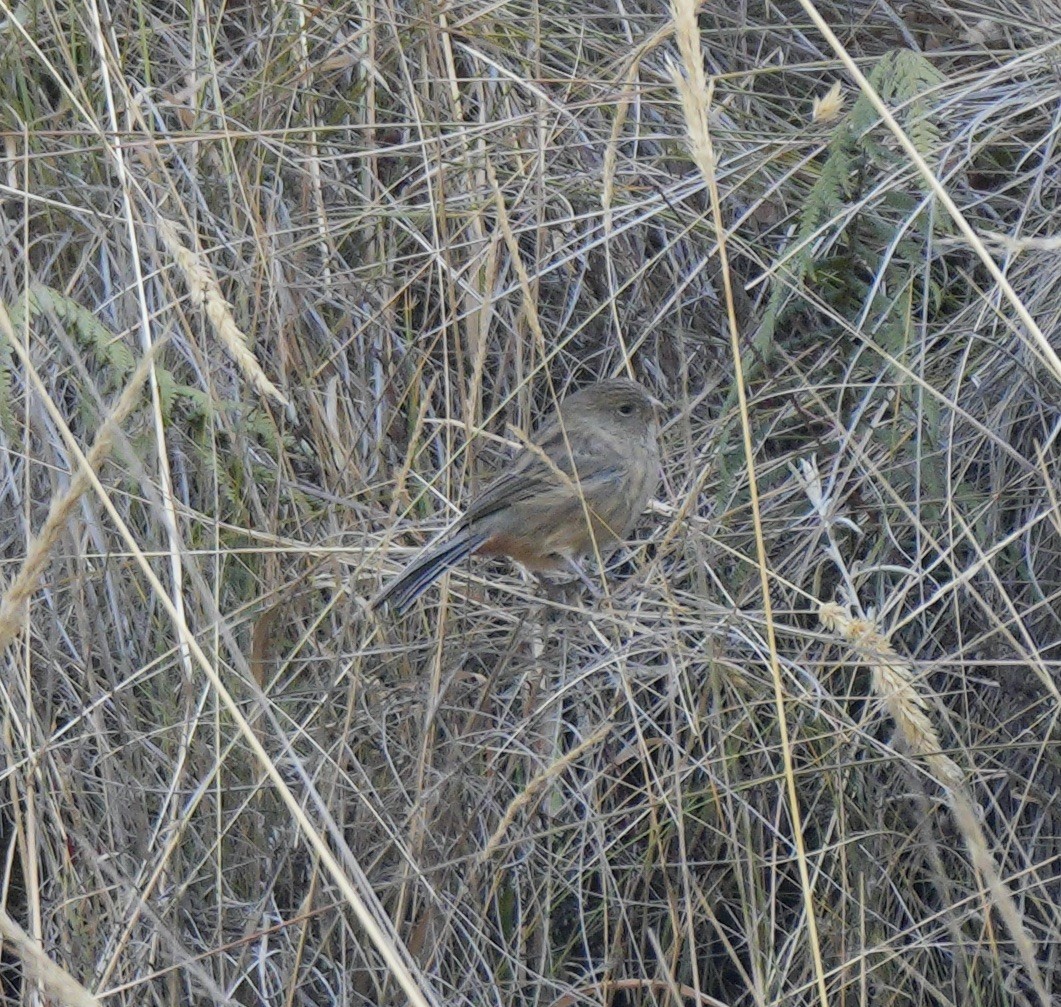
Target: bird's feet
x=568, y=591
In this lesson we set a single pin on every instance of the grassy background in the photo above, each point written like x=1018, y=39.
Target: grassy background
x=363, y=239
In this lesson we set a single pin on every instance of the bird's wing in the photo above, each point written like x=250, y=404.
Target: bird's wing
x=531, y=476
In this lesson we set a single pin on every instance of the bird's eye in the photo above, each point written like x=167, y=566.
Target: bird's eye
x=626, y=409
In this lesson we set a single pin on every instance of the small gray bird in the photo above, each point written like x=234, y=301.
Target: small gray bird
x=591, y=471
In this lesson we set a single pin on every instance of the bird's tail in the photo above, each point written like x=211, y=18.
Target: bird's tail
x=423, y=571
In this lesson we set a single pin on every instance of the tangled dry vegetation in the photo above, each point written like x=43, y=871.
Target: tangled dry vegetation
x=276, y=280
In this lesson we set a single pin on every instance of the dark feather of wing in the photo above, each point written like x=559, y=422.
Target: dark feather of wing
x=425, y=569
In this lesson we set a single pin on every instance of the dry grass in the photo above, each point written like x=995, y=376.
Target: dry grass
x=368, y=240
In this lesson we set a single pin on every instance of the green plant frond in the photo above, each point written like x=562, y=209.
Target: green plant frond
x=828, y=195
x=7, y=419
x=108, y=348
x=195, y=404
x=903, y=78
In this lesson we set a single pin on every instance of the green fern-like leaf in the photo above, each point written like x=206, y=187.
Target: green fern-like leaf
x=7, y=416
x=108, y=349
x=195, y=402
x=827, y=195
x=915, y=77
x=904, y=79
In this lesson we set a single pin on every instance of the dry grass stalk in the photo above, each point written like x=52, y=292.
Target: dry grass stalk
x=26, y=581
x=57, y=982
x=538, y=784
x=828, y=106
x=696, y=99
x=692, y=86
x=206, y=294
x=892, y=680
